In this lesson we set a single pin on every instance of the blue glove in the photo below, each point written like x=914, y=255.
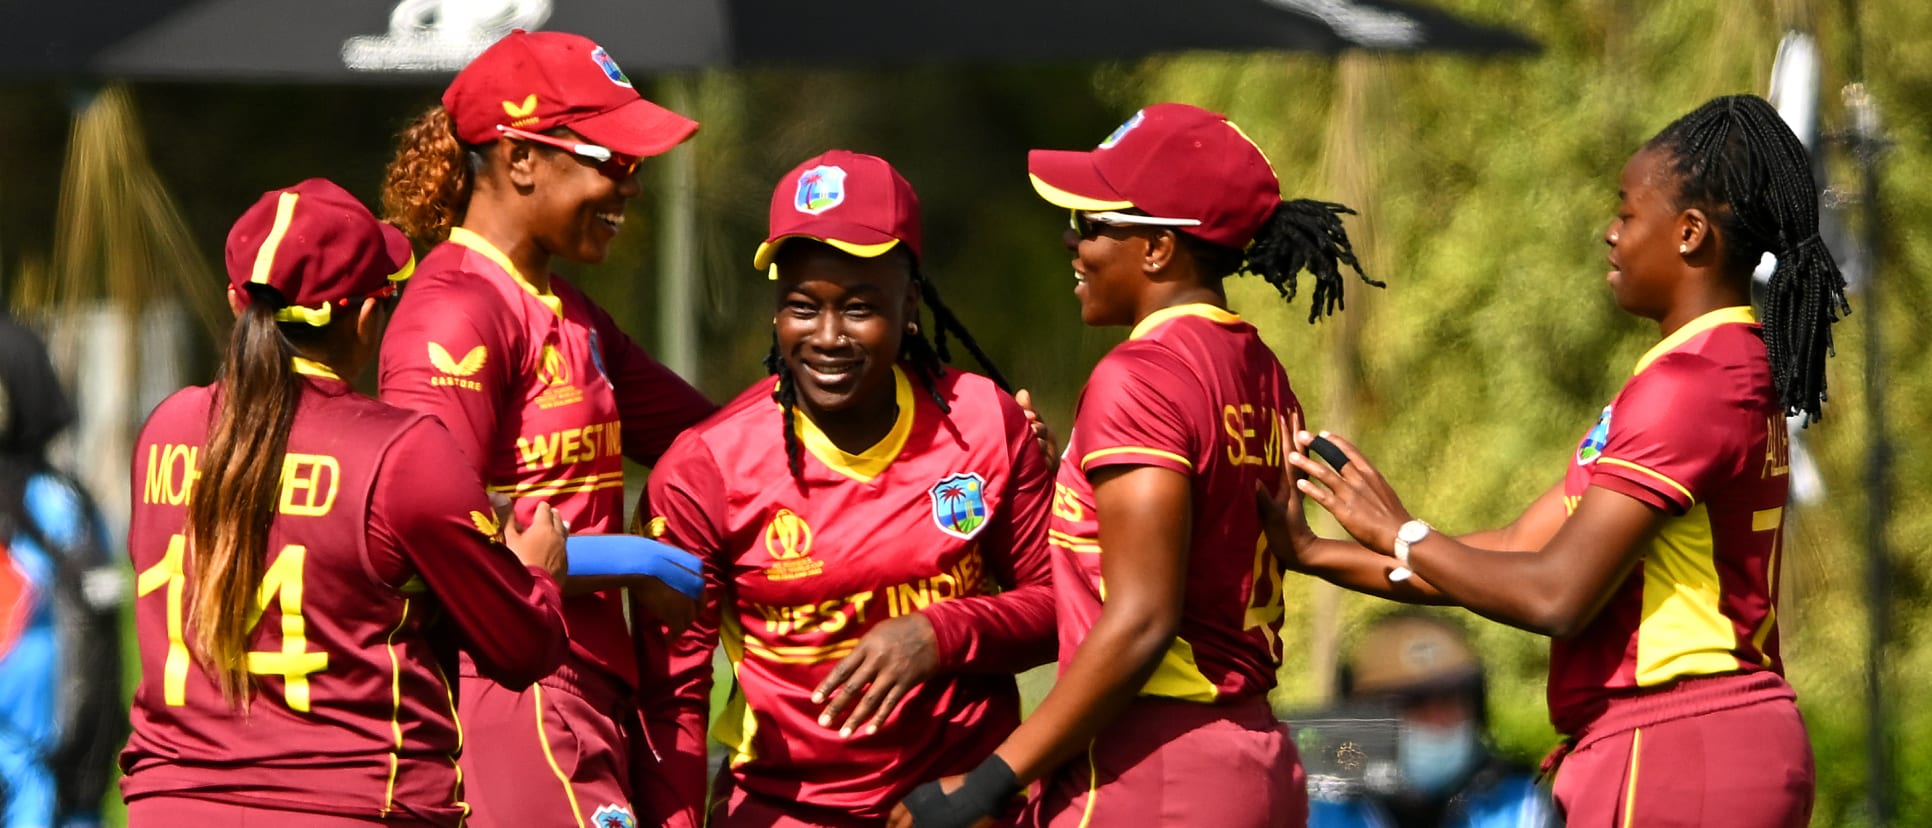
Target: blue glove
x=633, y=555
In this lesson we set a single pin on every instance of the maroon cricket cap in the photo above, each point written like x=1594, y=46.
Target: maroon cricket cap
x=538, y=81
x=1169, y=160
x=317, y=246
x=852, y=201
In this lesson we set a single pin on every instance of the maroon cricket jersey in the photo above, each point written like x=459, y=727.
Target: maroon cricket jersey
x=1696, y=433
x=545, y=395
x=1193, y=390
x=381, y=564
x=945, y=511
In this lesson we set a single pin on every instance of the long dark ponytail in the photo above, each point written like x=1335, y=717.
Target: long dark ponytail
x=235, y=497
x=1737, y=160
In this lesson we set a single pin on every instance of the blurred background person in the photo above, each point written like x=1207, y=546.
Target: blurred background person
x=1423, y=669
x=60, y=679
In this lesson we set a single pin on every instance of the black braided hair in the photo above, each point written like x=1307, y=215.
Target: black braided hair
x=1736, y=160
x=927, y=359
x=1302, y=234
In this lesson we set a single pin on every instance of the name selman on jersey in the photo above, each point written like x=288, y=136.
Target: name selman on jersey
x=945, y=516
x=1193, y=390
x=546, y=397
x=380, y=565
x=1696, y=433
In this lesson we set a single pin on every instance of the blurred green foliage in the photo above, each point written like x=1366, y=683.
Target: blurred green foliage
x=1484, y=187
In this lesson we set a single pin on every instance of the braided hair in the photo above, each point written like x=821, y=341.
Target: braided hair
x=1736, y=160
x=927, y=360
x=1302, y=234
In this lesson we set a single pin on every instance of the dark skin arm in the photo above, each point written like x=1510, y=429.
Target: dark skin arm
x=1146, y=518
x=1554, y=589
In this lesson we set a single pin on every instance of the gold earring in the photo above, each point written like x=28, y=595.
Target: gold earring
x=1683, y=248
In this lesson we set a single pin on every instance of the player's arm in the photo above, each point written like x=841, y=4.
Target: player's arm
x=1142, y=409
x=430, y=507
x=685, y=497
x=1145, y=515
x=447, y=354
x=1674, y=434
x=654, y=403
x=1003, y=633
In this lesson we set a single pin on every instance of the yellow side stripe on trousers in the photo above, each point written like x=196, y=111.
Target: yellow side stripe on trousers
x=1630, y=785
x=543, y=738
x=1093, y=788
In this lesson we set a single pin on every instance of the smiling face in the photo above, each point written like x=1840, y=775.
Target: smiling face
x=579, y=208
x=1108, y=272
x=840, y=321
x=1646, y=263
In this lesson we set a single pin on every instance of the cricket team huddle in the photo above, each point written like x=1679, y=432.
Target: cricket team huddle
x=427, y=608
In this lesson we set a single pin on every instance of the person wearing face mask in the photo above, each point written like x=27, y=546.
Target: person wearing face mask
x=1423, y=668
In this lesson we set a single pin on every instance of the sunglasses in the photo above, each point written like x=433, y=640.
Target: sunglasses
x=1084, y=222
x=608, y=162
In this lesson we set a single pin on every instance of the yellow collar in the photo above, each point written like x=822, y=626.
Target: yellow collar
x=870, y=463
x=1739, y=314
x=312, y=368
x=469, y=238
x=1201, y=309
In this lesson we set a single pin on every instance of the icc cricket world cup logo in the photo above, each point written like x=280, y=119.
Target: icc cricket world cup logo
x=788, y=537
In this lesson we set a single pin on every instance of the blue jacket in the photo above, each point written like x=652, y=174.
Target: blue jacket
x=1509, y=799
x=36, y=702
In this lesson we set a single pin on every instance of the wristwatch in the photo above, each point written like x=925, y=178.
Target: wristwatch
x=1409, y=535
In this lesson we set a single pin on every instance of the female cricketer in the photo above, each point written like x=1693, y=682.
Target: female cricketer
x=532, y=156
x=309, y=561
x=1654, y=564
x=1169, y=602
x=873, y=521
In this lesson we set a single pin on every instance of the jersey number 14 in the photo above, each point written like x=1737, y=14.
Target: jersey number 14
x=282, y=583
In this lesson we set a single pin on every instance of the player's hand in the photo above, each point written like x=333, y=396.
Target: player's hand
x=1283, y=520
x=541, y=544
x=1042, y=433
x=865, y=687
x=902, y=818
x=1361, y=501
x=665, y=604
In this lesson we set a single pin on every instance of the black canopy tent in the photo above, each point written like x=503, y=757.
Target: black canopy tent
x=389, y=41
x=423, y=42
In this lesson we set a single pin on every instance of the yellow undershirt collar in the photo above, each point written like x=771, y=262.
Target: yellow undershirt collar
x=1201, y=309
x=1740, y=314
x=870, y=463
x=470, y=239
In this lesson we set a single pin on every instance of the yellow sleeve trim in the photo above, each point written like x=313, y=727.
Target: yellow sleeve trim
x=1653, y=473
x=1092, y=456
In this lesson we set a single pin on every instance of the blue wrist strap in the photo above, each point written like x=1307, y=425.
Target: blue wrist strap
x=633, y=555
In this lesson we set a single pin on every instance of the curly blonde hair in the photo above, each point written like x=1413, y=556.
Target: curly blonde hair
x=427, y=185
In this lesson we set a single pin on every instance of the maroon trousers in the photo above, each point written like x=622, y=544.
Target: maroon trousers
x=555, y=754
x=1720, y=750
x=1173, y=763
